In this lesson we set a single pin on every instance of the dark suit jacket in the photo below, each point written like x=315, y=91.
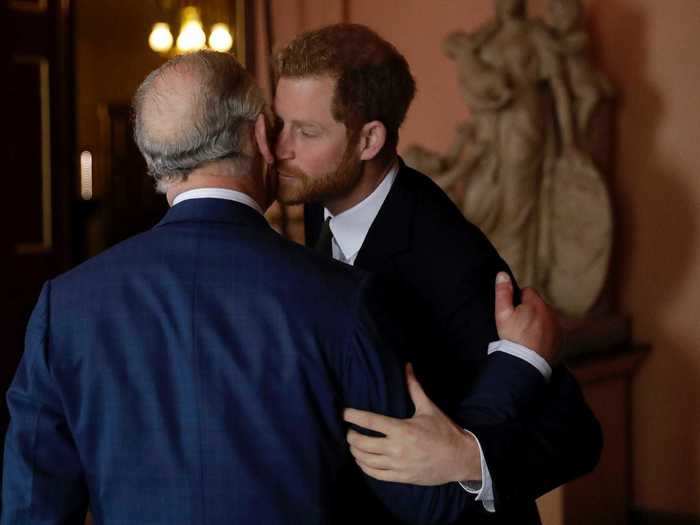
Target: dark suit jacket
x=196, y=374
x=441, y=270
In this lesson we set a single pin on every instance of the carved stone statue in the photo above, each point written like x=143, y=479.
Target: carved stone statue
x=588, y=86
x=517, y=163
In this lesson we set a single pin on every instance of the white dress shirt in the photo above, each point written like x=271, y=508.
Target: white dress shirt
x=350, y=227
x=349, y=230
x=218, y=193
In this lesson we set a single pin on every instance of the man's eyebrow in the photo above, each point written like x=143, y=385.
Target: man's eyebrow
x=302, y=123
x=296, y=122
x=305, y=123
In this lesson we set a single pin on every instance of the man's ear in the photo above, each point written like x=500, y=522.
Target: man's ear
x=372, y=139
x=261, y=139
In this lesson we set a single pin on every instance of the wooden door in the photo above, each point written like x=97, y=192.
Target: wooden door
x=37, y=152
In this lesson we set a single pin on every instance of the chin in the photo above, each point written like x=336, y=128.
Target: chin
x=290, y=195
x=287, y=201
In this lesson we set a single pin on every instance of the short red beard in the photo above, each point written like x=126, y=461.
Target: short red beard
x=329, y=186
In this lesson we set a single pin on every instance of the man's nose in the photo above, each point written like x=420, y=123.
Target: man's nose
x=283, y=148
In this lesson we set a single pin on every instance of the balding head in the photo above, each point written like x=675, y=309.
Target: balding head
x=172, y=104
x=194, y=110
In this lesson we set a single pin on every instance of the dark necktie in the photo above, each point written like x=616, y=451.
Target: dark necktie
x=323, y=244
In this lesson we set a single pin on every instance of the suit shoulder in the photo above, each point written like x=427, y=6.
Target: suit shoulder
x=312, y=271
x=440, y=227
x=110, y=258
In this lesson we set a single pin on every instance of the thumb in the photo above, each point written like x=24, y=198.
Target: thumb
x=504, y=298
x=421, y=401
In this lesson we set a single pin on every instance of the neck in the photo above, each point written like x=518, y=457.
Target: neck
x=215, y=177
x=373, y=173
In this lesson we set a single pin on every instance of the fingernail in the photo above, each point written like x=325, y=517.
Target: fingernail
x=502, y=277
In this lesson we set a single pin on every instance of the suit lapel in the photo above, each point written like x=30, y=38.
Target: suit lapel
x=313, y=219
x=390, y=233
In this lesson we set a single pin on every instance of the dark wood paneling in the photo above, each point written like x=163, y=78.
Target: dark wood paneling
x=38, y=163
x=647, y=517
x=131, y=203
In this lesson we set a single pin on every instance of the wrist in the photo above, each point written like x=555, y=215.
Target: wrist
x=468, y=464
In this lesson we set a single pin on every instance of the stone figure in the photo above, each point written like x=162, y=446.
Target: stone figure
x=588, y=86
x=516, y=162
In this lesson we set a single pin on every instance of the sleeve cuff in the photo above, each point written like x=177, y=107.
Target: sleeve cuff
x=524, y=353
x=484, y=488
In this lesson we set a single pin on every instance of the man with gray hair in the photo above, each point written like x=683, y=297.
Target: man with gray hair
x=192, y=112
x=196, y=373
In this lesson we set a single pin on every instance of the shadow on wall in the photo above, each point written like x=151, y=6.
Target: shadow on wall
x=650, y=192
x=665, y=195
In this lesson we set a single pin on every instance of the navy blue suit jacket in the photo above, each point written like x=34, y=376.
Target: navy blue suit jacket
x=441, y=271
x=196, y=374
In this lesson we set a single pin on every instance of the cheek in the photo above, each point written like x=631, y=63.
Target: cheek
x=320, y=158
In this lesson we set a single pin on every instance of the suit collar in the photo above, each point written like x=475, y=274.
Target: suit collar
x=351, y=226
x=213, y=210
x=218, y=193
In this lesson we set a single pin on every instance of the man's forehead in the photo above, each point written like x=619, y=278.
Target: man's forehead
x=311, y=85
x=318, y=77
x=305, y=98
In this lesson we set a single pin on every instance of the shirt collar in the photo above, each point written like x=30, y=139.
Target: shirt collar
x=350, y=227
x=218, y=193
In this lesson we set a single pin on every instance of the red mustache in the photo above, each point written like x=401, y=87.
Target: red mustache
x=290, y=171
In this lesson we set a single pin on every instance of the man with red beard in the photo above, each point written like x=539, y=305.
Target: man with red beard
x=341, y=95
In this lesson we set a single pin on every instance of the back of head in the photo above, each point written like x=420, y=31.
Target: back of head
x=374, y=81
x=193, y=110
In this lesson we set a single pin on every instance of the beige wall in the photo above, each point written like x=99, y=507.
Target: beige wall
x=650, y=49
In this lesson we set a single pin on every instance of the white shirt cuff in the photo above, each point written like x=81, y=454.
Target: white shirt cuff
x=484, y=488
x=523, y=352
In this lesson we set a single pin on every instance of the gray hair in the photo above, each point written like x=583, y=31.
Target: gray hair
x=219, y=109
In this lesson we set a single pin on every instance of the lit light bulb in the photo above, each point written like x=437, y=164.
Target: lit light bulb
x=160, y=39
x=220, y=38
x=192, y=36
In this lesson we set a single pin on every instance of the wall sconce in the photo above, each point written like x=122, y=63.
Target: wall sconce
x=86, y=175
x=191, y=36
